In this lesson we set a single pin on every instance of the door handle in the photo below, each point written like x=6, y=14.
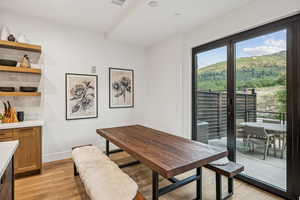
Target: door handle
x=229, y=106
x=230, y=101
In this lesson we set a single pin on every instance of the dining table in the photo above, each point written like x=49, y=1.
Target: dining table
x=165, y=154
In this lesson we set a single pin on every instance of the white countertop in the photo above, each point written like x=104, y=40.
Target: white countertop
x=7, y=150
x=21, y=124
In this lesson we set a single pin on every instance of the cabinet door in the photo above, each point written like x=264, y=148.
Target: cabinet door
x=28, y=154
x=6, y=134
x=6, y=139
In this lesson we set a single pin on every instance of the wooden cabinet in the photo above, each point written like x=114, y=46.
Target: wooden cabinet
x=6, y=134
x=28, y=157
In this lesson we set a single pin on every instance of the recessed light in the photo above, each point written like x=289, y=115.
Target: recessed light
x=153, y=3
x=118, y=2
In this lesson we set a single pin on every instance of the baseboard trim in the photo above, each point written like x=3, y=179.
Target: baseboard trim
x=50, y=157
x=56, y=156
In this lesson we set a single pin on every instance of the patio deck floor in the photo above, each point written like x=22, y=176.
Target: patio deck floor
x=272, y=170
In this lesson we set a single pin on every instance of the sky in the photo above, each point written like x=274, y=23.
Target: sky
x=263, y=45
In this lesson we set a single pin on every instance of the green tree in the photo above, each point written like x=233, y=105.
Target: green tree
x=281, y=97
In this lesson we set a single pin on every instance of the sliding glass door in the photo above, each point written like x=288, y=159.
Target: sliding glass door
x=246, y=98
x=260, y=106
x=211, y=95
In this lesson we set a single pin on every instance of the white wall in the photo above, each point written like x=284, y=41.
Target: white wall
x=164, y=87
x=67, y=49
x=168, y=106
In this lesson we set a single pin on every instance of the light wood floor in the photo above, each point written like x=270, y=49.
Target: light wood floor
x=58, y=183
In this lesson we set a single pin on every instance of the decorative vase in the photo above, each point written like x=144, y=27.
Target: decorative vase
x=25, y=62
x=10, y=114
x=22, y=39
x=4, y=33
x=11, y=38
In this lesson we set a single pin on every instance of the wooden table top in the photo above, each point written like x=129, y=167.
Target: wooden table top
x=164, y=153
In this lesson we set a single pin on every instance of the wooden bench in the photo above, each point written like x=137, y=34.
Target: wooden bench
x=102, y=178
x=229, y=170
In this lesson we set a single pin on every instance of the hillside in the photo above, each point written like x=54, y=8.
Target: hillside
x=251, y=72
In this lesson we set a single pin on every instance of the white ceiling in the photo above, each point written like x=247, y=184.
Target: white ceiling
x=135, y=22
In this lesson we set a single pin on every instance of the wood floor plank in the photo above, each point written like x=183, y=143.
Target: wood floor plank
x=58, y=183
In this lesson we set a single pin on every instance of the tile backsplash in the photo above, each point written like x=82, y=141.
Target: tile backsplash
x=31, y=105
x=12, y=54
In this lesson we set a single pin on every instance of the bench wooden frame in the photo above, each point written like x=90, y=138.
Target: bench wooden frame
x=230, y=170
x=138, y=196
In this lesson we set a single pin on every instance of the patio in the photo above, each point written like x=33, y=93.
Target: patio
x=272, y=170
x=212, y=129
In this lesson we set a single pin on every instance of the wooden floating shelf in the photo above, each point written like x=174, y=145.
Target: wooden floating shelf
x=20, y=46
x=20, y=94
x=20, y=70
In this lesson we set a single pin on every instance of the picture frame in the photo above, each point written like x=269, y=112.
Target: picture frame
x=81, y=95
x=121, y=88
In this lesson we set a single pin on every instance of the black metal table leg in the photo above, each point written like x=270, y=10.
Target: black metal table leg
x=230, y=185
x=108, y=153
x=107, y=147
x=199, y=184
x=129, y=164
x=218, y=186
x=155, y=185
x=157, y=192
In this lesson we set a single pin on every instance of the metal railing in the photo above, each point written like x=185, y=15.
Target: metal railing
x=270, y=115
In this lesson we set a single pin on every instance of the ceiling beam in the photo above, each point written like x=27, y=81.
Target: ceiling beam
x=132, y=6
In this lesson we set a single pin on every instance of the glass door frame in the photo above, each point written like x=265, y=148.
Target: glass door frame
x=292, y=25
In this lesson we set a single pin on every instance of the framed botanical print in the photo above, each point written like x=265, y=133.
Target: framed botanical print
x=121, y=88
x=81, y=96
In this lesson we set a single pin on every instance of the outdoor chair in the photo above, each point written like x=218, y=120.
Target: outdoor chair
x=281, y=137
x=259, y=136
x=240, y=133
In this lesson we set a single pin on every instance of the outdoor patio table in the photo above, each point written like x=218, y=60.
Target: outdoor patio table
x=278, y=128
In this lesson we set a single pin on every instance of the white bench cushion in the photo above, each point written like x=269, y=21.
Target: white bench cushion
x=102, y=178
